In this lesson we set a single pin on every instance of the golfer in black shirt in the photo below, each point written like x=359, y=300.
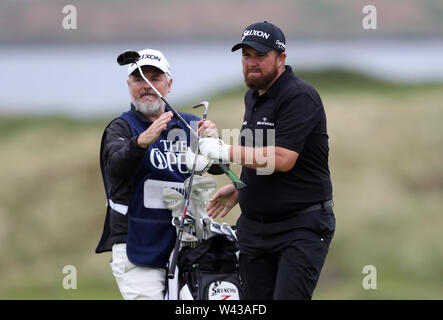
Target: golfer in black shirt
x=286, y=222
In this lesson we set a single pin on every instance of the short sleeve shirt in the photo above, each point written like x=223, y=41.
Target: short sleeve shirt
x=289, y=115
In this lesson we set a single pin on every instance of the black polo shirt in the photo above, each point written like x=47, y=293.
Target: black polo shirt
x=293, y=110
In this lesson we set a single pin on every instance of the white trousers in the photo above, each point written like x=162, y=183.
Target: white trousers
x=134, y=282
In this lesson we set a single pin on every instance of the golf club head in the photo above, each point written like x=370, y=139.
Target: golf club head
x=215, y=227
x=228, y=231
x=176, y=221
x=190, y=217
x=204, y=104
x=127, y=57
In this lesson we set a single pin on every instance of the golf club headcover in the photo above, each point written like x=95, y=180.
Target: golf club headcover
x=174, y=201
x=202, y=187
x=214, y=149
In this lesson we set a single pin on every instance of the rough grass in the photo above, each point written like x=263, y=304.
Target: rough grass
x=386, y=162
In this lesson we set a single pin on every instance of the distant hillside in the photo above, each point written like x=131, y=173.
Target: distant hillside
x=41, y=21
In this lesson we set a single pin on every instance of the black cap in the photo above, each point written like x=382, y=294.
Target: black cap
x=263, y=37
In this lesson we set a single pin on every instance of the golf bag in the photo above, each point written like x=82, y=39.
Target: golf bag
x=207, y=266
x=210, y=271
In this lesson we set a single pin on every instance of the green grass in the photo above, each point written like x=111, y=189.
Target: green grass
x=343, y=81
x=386, y=161
x=88, y=289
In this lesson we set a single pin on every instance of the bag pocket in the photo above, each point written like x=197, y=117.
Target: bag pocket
x=215, y=286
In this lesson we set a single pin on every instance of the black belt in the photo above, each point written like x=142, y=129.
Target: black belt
x=315, y=207
x=318, y=206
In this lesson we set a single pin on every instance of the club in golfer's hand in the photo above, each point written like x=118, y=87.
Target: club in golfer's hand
x=214, y=149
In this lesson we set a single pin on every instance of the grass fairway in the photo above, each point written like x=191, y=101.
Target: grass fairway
x=386, y=161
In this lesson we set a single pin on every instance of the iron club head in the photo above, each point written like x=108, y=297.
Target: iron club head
x=204, y=104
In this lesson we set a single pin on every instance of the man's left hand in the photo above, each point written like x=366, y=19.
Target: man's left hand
x=214, y=149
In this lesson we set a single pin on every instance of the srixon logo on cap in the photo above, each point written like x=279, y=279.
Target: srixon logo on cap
x=150, y=56
x=257, y=33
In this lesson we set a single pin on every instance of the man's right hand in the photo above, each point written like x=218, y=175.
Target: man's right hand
x=207, y=129
x=151, y=134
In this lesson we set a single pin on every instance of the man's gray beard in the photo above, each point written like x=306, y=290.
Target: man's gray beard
x=148, y=108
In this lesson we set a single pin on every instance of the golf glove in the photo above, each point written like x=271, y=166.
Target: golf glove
x=214, y=149
x=203, y=163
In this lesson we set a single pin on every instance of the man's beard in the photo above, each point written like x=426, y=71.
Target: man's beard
x=148, y=108
x=259, y=83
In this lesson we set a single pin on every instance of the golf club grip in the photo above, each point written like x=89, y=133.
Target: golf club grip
x=238, y=184
x=171, y=270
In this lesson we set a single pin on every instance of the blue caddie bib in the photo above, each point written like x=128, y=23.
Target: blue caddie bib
x=151, y=236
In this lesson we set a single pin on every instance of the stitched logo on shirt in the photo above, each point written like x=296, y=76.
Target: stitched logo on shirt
x=265, y=123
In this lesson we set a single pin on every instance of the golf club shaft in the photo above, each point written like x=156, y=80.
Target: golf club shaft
x=238, y=184
x=164, y=100
x=173, y=265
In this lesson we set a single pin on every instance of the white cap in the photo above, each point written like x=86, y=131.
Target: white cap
x=151, y=57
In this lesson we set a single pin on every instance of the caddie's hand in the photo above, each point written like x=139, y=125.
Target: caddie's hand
x=207, y=129
x=214, y=149
x=151, y=134
x=223, y=201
